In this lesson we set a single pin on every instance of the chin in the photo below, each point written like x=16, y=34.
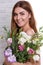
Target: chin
x=20, y=25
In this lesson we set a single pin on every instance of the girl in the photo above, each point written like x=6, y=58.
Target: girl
x=22, y=17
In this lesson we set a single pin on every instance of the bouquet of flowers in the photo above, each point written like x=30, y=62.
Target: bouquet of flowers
x=22, y=47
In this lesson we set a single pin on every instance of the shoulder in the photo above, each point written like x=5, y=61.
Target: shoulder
x=30, y=32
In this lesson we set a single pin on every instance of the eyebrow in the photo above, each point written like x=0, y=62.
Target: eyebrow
x=19, y=13
x=22, y=12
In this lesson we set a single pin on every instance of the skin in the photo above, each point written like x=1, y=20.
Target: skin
x=17, y=63
x=21, y=17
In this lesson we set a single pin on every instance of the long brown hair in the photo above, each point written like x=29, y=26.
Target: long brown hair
x=25, y=5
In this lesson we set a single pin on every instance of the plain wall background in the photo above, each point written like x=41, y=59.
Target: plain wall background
x=5, y=19
x=37, y=6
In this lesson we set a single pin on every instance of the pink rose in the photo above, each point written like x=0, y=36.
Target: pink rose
x=21, y=47
x=30, y=51
x=9, y=40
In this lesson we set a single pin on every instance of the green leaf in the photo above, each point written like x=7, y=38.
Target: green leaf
x=41, y=29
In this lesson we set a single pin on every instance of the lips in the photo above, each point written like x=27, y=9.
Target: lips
x=19, y=22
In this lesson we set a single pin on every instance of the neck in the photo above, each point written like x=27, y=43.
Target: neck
x=26, y=27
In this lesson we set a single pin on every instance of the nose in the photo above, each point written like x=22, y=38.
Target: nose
x=18, y=17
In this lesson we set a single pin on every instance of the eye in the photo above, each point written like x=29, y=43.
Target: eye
x=22, y=13
x=15, y=14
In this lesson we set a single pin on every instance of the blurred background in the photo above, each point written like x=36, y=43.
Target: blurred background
x=6, y=7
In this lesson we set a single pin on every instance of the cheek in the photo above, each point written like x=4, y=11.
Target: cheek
x=26, y=18
x=14, y=18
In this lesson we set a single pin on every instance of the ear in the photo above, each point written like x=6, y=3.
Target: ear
x=29, y=16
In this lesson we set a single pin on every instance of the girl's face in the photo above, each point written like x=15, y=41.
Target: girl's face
x=21, y=16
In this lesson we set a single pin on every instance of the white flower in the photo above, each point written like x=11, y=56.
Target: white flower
x=28, y=48
x=41, y=41
x=38, y=51
x=28, y=38
x=34, y=42
x=21, y=41
x=36, y=39
x=36, y=58
x=24, y=35
x=9, y=40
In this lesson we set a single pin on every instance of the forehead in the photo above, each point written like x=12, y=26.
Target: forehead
x=19, y=9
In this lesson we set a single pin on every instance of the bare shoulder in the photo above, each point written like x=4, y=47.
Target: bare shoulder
x=30, y=32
